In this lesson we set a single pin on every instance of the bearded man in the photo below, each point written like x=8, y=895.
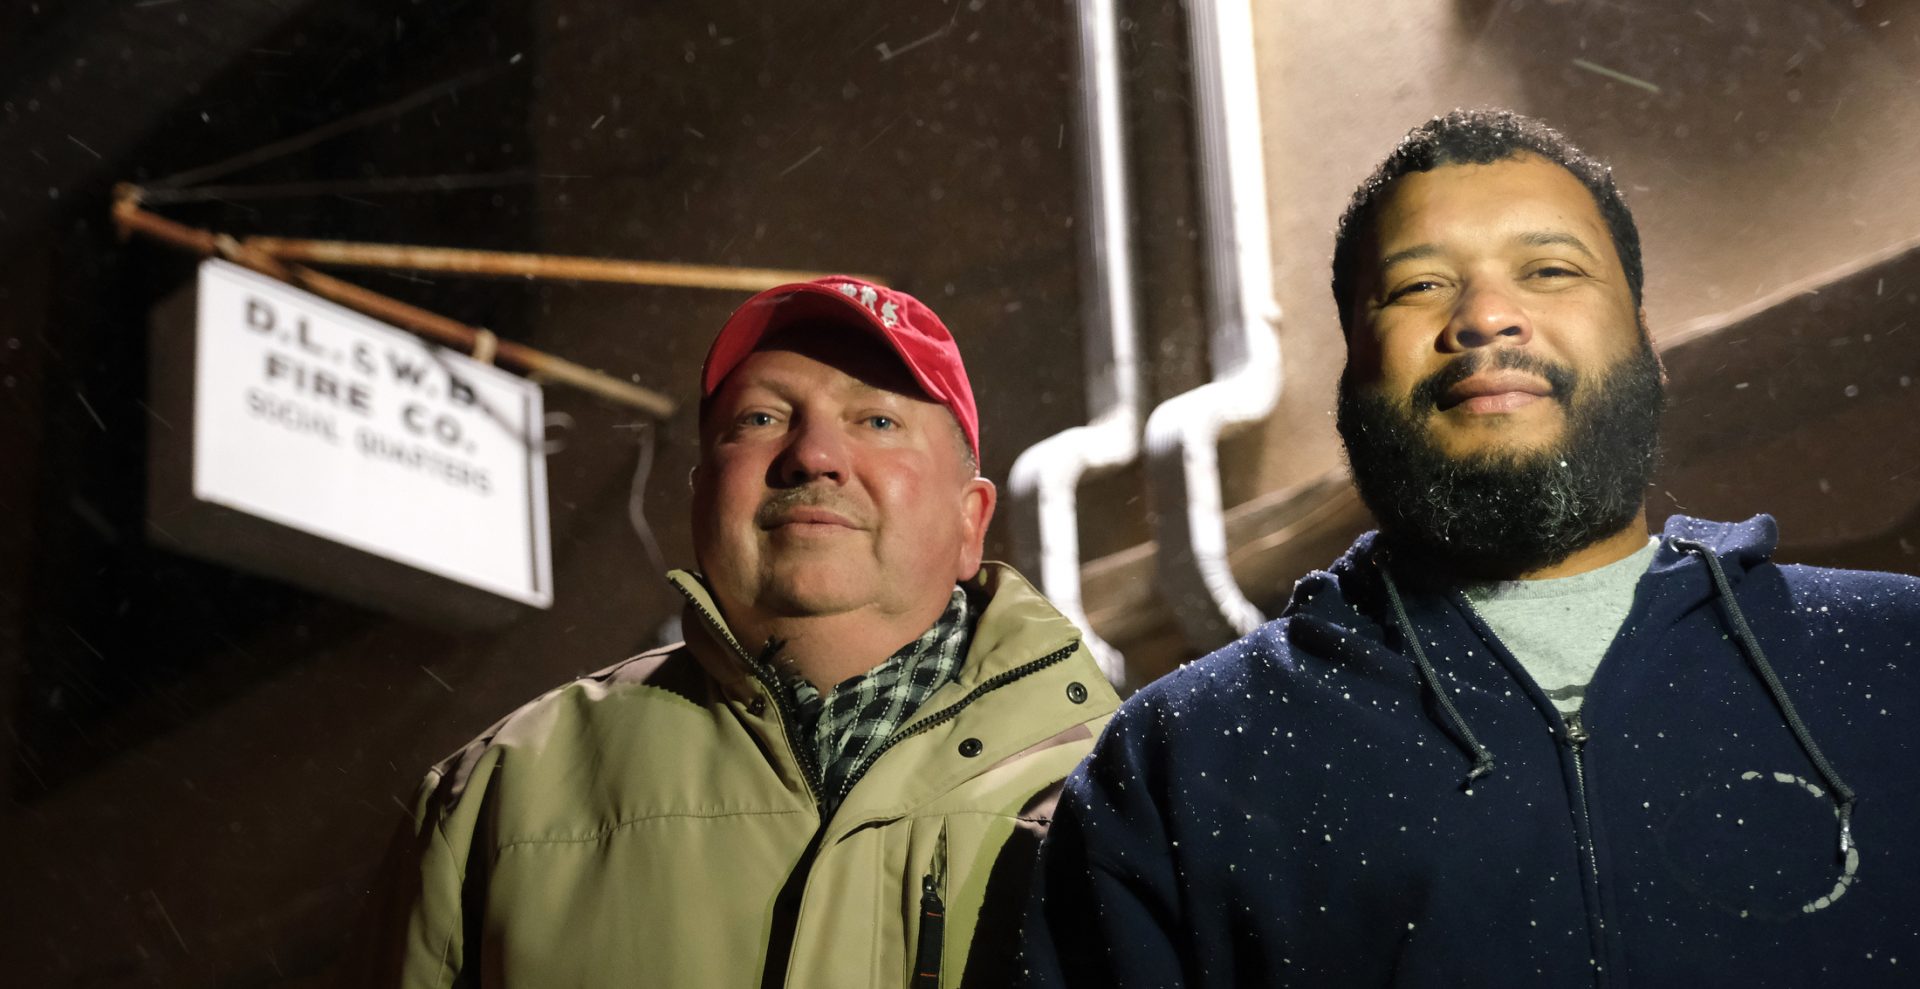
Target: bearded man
x=1509, y=739
x=840, y=777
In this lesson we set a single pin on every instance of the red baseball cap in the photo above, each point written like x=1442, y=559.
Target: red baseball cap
x=907, y=326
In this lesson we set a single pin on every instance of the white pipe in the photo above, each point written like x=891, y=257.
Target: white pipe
x=1183, y=432
x=1041, y=486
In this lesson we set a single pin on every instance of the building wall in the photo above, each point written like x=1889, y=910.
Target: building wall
x=1778, y=146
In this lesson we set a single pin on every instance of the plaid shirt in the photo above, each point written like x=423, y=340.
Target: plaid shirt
x=860, y=714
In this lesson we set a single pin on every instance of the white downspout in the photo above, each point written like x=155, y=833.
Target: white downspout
x=1183, y=432
x=1041, y=486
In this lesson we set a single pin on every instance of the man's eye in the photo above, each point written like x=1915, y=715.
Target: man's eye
x=756, y=419
x=1412, y=288
x=883, y=422
x=1554, y=271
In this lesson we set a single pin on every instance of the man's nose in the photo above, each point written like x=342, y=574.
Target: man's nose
x=1487, y=314
x=815, y=450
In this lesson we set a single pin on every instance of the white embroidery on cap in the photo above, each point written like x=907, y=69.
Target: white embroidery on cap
x=888, y=311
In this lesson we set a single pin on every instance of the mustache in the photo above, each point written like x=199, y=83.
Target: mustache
x=1429, y=392
x=781, y=503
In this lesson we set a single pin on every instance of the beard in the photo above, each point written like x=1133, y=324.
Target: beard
x=1508, y=512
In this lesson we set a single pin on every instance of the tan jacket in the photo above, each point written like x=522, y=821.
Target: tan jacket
x=649, y=825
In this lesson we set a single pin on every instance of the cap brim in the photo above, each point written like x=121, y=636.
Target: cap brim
x=778, y=308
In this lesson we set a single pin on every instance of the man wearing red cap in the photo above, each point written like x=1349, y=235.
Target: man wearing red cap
x=840, y=777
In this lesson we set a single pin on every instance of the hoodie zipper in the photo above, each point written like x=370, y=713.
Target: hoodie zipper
x=1576, y=735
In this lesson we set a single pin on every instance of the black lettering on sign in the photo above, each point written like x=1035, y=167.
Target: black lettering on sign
x=303, y=334
x=405, y=370
x=291, y=415
x=319, y=383
x=363, y=359
x=259, y=315
x=413, y=456
x=460, y=391
x=444, y=427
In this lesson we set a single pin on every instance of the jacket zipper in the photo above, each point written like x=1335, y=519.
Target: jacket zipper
x=953, y=710
x=930, y=949
x=789, y=715
x=933, y=883
x=932, y=889
x=787, y=903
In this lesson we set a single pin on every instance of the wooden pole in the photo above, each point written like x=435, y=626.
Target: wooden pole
x=131, y=219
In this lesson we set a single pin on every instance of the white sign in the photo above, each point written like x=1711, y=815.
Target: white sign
x=313, y=416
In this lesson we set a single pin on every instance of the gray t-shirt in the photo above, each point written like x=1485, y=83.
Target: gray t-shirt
x=1558, y=629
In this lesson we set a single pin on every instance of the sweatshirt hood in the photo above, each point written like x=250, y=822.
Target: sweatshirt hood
x=1739, y=546
x=1349, y=591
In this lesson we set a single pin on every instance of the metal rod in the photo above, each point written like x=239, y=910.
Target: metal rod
x=131, y=219
x=349, y=187
x=324, y=132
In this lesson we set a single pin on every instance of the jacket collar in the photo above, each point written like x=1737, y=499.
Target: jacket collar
x=1013, y=695
x=724, y=657
x=1017, y=629
x=1016, y=624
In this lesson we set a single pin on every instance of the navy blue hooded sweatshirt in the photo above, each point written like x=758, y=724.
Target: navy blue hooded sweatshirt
x=1295, y=809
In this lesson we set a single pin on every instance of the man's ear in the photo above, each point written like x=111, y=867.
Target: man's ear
x=1363, y=351
x=977, y=501
x=1646, y=333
